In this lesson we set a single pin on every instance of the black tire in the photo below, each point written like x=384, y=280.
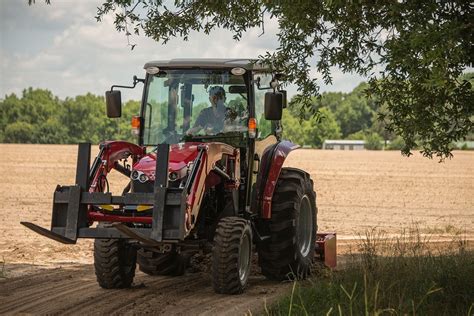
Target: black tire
x=114, y=263
x=287, y=254
x=155, y=263
x=231, y=255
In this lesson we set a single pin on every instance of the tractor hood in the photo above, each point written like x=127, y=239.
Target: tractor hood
x=180, y=156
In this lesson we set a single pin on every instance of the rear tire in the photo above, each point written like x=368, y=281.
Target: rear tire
x=155, y=263
x=289, y=252
x=231, y=255
x=114, y=263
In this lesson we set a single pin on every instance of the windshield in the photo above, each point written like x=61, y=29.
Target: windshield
x=182, y=104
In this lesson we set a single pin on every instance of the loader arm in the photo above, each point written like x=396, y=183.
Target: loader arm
x=109, y=154
x=205, y=163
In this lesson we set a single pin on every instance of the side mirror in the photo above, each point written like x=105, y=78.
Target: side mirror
x=113, y=100
x=273, y=106
x=285, y=100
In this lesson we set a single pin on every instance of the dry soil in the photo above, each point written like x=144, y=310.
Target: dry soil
x=357, y=190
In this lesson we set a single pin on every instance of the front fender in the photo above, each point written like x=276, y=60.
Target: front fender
x=273, y=162
x=117, y=150
x=111, y=152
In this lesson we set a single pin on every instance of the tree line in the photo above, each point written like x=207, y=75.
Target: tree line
x=37, y=116
x=340, y=116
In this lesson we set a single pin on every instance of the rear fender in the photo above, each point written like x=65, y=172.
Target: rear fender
x=272, y=161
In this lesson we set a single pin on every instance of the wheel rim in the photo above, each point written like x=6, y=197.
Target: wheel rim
x=305, y=227
x=244, y=258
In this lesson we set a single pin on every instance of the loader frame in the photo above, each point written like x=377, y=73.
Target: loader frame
x=71, y=219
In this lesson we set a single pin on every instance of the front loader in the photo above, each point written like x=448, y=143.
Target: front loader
x=206, y=174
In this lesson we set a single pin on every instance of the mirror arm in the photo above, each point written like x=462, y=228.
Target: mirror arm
x=274, y=84
x=135, y=81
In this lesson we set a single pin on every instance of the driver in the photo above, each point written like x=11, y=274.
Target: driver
x=212, y=118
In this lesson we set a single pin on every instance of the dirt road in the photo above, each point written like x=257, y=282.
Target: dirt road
x=72, y=289
x=356, y=191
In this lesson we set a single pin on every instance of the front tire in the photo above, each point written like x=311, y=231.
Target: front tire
x=289, y=252
x=231, y=256
x=114, y=263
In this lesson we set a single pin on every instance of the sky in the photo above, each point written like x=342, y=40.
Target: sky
x=62, y=48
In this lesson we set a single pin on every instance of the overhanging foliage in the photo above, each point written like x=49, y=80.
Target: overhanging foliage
x=413, y=52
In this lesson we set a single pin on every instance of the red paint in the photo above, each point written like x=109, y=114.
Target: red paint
x=213, y=152
x=117, y=150
x=195, y=194
x=281, y=152
x=326, y=247
x=212, y=180
x=101, y=217
x=114, y=151
x=180, y=155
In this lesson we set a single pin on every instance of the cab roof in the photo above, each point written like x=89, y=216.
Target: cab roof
x=245, y=63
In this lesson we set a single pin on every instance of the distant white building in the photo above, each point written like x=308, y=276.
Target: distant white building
x=342, y=144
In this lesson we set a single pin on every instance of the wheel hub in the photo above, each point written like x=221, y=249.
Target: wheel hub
x=244, y=258
x=305, y=227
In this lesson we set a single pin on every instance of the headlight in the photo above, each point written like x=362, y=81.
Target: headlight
x=138, y=175
x=142, y=178
x=173, y=176
x=134, y=175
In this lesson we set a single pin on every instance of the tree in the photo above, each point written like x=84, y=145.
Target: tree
x=40, y=117
x=420, y=48
x=124, y=132
x=82, y=115
x=35, y=106
x=318, y=130
x=19, y=132
x=373, y=141
x=312, y=131
x=353, y=114
x=379, y=126
x=396, y=144
x=52, y=132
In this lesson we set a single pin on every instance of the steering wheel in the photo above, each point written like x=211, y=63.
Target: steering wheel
x=231, y=114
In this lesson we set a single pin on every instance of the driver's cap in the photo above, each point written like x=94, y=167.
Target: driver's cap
x=217, y=91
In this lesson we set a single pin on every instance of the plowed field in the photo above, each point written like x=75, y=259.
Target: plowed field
x=356, y=190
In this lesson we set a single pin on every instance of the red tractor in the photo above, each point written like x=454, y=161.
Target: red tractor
x=206, y=175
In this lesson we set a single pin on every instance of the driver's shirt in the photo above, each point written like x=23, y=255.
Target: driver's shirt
x=210, y=118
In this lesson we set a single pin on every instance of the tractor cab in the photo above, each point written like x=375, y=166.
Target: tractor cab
x=207, y=100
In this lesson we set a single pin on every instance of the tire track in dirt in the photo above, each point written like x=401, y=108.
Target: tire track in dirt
x=74, y=290
x=16, y=283
x=121, y=301
x=37, y=289
x=31, y=303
